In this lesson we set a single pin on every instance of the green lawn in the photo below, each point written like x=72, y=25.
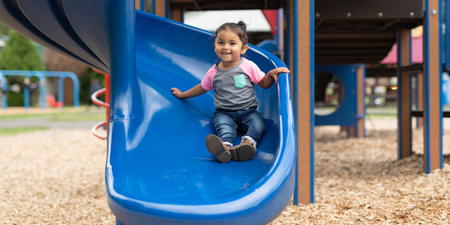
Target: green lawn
x=17, y=130
x=81, y=115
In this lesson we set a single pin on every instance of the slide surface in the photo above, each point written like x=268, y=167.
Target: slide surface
x=158, y=170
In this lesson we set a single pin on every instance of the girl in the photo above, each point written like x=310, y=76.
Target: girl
x=233, y=80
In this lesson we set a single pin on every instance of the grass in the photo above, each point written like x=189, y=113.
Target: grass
x=80, y=115
x=17, y=130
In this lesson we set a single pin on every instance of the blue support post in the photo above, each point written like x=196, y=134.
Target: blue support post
x=432, y=113
x=280, y=33
x=43, y=88
x=303, y=70
x=26, y=97
x=153, y=6
x=61, y=89
x=76, y=90
x=311, y=80
x=142, y=6
x=3, y=79
x=122, y=20
x=166, y=8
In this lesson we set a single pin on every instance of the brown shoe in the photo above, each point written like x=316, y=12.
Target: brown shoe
x=217, y=148
x=243, y=152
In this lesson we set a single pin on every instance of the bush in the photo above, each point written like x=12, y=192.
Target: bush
x=19, y=53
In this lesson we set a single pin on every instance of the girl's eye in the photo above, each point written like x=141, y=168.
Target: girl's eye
x=233, y=43
x=220, y=43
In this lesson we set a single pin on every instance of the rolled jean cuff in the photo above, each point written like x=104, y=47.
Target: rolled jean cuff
x=228, y=143
x=250, y=139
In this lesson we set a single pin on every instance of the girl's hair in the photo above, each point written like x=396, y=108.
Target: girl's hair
x=240, y=29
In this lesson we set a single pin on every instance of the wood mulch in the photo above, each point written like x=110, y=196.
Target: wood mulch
x=361, y=181
x=57, y=177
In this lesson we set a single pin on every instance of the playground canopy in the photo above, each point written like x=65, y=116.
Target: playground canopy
x=417, y=52
x=416, y=45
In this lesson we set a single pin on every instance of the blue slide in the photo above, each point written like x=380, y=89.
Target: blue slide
x=158, y=170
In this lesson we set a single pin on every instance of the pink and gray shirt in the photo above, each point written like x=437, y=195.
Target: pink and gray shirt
x=234, y=89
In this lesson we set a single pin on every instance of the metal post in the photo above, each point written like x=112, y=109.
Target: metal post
x=61, y=90
x=3, y=79
x=26, y=97
x=42, y=86
x=280, y=33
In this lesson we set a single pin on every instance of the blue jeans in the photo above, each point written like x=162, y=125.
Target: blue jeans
x=249, y=122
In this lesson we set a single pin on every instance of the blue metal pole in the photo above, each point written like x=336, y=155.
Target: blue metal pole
x=124, y=88
x=280, y=13
x=441, y=49
x=166, y=8
x=26, y=97
x=295, y=67
x=142, y=7
x=42, y=86
x=61, y=89
x=76, y=93
x=312, y=74
x=76, y=88
x=153, y=6
x=3, y=79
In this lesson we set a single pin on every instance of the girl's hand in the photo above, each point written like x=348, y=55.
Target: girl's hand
x=177, y=93
x=274, y=73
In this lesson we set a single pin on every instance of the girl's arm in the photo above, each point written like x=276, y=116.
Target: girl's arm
x=193, y=92
x=271, y=76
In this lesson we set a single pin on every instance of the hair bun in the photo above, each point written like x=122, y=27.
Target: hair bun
x=242, y=24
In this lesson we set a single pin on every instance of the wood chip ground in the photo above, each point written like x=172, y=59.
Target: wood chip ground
x=57, y=177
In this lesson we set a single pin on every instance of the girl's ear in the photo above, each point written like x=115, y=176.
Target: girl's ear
x=244, y=49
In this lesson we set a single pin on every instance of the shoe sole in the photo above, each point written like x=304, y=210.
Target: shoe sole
x=215, y=147
x=244, y=153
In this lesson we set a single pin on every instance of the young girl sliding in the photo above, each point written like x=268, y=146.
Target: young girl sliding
x=233, y=80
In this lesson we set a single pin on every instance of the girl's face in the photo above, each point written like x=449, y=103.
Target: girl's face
x=228, y=47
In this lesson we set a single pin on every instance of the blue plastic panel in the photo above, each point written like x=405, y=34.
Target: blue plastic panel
x=346, y=113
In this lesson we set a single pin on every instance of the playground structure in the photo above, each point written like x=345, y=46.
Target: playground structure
x=350, y=113
x=41, y=76
x=319, y=32
x=137, y=83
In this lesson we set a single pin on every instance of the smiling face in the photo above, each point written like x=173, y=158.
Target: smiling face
x=229, y=48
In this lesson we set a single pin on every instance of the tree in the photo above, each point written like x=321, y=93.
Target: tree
x=4, y=30
x=19, y=53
